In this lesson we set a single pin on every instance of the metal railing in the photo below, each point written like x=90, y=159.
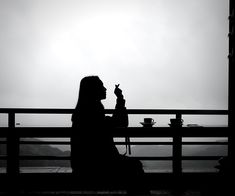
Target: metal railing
x=13, y=135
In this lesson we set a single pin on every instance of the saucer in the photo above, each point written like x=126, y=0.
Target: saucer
x=147, y=124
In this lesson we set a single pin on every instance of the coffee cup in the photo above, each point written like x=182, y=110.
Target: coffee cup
x=176, y=121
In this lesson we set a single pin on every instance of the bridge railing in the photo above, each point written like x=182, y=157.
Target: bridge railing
x=13, y=135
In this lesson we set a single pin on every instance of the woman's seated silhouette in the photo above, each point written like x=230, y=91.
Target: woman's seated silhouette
x=93, y=152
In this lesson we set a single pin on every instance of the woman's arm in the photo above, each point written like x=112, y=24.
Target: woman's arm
x=120, y=116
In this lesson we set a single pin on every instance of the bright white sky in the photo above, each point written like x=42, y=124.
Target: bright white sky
x=164, y=53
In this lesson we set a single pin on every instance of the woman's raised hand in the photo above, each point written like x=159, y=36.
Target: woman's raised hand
x=118, y=91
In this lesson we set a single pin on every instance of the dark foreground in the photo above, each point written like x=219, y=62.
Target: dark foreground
x=113, y=193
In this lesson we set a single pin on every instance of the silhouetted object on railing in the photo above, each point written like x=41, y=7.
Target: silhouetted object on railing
x=223, y=185
x=176, y=122
x=223, y=166
x=226, y=172
x=94, y=155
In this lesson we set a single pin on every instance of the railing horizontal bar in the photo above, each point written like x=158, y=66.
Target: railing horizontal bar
x=185, y=158
x=110, y=111
x=36, y=110
x=44, y=157
x=44, y=142
x=149, y=158
x=121, y=143
x=68, y=143
x=198, y=158
x=144, y=143
x=68, y=158
x=58, y=132
x=193, y=158
x=204, y=143
x=177, y=111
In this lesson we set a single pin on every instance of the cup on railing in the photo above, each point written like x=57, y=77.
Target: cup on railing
x=148, y=122
x=176, y=122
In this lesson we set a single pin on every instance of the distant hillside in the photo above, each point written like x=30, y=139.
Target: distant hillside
x=200, y=150
x=38, y=150
x=188, y=150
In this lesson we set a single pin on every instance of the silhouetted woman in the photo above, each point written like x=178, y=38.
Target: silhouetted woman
x=93, y=152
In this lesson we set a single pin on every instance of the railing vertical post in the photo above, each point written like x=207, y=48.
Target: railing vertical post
x=177, y=154
x=177, y=150
x=178, y=116
x=12, y=147
x=11, y=120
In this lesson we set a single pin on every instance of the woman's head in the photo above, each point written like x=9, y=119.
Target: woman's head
x=92, y=89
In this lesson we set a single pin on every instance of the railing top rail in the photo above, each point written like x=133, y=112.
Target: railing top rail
x=110, y=111
x=122, y=132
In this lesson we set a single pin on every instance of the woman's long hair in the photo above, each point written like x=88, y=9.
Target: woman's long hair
x=88, y=93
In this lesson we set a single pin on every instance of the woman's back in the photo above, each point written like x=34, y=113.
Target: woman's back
x=92, y=140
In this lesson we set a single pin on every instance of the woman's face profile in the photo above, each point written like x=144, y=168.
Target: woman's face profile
x=102, y=91
x=92, y=88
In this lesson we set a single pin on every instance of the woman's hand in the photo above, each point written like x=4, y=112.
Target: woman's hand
x=118, y=91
